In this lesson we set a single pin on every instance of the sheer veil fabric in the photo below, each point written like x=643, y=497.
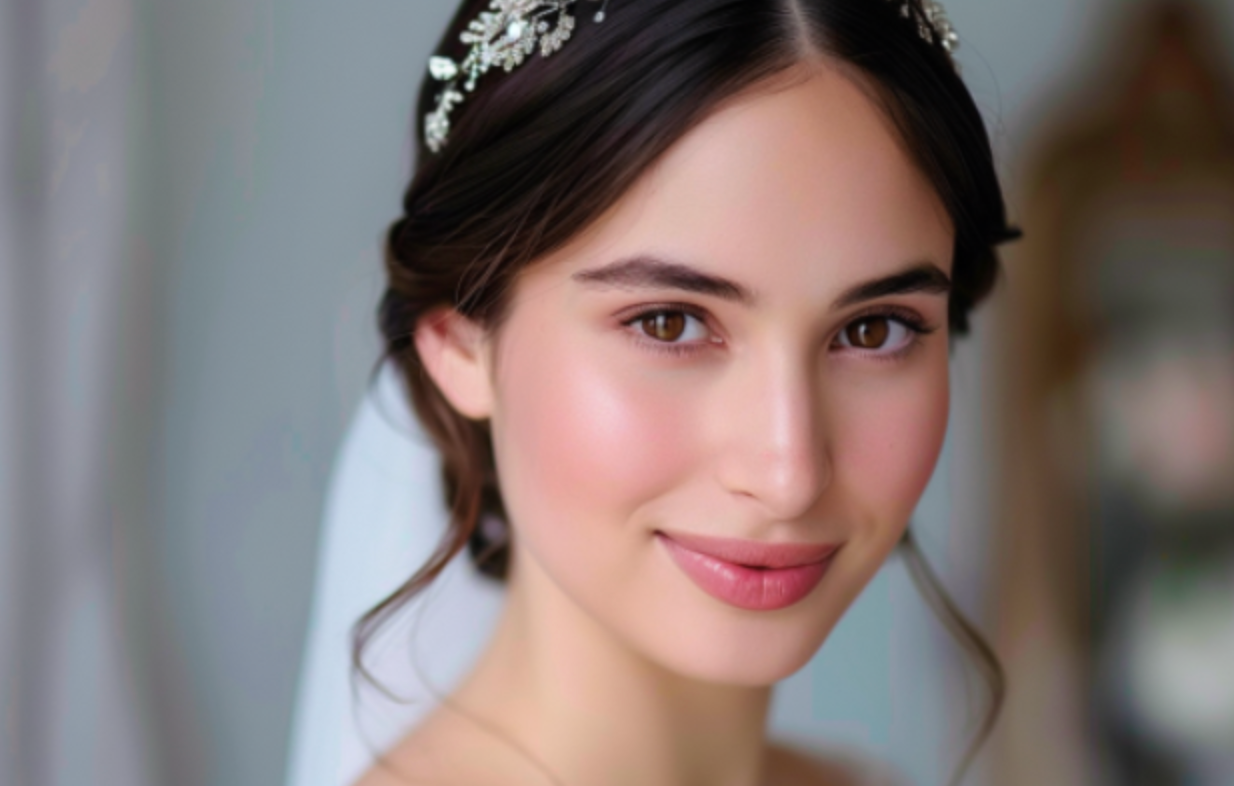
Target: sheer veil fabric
x=383, y=516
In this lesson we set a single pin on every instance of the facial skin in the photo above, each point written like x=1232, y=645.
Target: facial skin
x=751, y=418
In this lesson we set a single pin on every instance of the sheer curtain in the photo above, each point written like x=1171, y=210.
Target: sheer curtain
x=69, y=700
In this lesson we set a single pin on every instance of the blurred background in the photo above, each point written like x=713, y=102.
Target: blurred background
x=192, y=198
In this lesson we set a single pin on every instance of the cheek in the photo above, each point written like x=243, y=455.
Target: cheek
x=888, y=445
x=581, y=443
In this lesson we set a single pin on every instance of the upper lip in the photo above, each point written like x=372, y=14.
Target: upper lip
x=753, y=553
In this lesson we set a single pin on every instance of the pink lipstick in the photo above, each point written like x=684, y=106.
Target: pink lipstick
x=749, y=574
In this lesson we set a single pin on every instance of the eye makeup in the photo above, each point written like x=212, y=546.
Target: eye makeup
x=634, y=325
x=908, y=320
x=914, y=325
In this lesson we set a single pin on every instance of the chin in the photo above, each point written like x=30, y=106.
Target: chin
x=734, y=647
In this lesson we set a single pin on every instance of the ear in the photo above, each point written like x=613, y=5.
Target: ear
x=453, y=350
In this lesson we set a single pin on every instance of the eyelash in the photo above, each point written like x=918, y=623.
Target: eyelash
x=911, y=321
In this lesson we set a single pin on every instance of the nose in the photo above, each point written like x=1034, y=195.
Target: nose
x=775, y=451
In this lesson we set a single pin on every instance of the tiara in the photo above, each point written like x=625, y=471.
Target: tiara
x=934, y=26
x=510, y=31
x=505, y=35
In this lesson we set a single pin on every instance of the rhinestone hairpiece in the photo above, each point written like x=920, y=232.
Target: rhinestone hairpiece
x=511, y=30
x=934, y=26
x=505, y=35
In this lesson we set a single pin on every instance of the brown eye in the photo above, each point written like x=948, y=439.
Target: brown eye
x=868, y=333
x=664, y=325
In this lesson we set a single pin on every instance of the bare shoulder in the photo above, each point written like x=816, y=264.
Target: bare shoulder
x=793, y=766
x=443, y=752
x=381, y=775
x=446, y=751
x=406, y=764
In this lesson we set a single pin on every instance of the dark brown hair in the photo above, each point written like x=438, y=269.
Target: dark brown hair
x=538, y=154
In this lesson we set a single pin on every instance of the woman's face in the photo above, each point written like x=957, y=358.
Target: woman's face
x=752, y=345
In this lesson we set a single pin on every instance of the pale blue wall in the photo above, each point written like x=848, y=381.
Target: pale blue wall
x=280, y=131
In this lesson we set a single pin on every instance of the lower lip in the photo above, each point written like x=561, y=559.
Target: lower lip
x=755, y=589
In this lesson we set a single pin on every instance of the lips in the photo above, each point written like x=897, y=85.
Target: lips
x=749, y=574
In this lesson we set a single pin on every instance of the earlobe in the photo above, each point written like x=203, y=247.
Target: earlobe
x=452, y=349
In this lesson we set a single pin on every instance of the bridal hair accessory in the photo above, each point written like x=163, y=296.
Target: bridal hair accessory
x=510, y=31
x=934, y=26
x=505, y=35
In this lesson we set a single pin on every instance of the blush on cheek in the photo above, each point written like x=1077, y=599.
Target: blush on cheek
x=582, y=440
x=892, y=442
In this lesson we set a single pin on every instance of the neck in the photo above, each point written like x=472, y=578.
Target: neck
x=585, y=708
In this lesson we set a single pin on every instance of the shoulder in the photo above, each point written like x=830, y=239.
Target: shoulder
x=381, y=776
x=405, y=764
x=794, y=766
x=446, y=751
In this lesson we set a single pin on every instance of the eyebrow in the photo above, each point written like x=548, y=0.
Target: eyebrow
x=649, y=272
x=923, y=278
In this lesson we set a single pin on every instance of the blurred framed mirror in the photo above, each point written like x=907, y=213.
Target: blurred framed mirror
x=1115, y=590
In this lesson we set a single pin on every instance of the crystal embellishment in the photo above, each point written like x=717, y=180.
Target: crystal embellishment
x=943, y=31
x=933, y=25
x=504, y=36
x=442, y=68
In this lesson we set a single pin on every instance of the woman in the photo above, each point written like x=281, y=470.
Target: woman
x=673, y=293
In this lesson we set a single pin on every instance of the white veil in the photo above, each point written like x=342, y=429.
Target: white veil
x=383, y=516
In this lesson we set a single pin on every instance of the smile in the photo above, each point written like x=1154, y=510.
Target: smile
x=748, y=574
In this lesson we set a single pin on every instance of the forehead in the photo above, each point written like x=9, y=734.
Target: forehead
x=803, y=184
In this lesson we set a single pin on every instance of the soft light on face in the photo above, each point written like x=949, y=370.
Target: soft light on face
x=693, y=364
